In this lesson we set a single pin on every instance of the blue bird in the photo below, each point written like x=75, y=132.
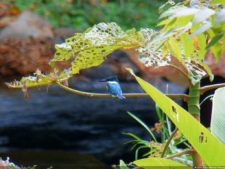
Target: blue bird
x=113, y=87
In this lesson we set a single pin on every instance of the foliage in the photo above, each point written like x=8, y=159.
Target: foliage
x=83, y=14
x=198, y=136
x=218, y=115
x=187, y=31
x=160, y=162
x=154, y=148
x=9, y=165
x=185, y=34
x=83, y=50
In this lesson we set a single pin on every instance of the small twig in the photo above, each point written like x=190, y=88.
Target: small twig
x=209, y=87
x=189, y=151
x=128, y=95
x=168, y=142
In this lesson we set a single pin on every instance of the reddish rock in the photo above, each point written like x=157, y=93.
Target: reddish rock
x=21, y=57
x=27, y=25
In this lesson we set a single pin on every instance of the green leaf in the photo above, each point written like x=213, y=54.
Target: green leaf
x=39, y=79
x=188, y=45
x=178, y=11
x=218, y=115
x=207, y=69
x=133, y=136
x=143, y=124
x=217, y=2
x=201, y=40
x=204, y=27
x=158, y=162
x=89, y=49
x=220, y=17
x=207, y=145
x=174, y=48
x=123, y=165
x=215, y=40
x=203, y=15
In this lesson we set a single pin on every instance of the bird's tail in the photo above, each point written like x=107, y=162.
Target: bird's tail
x=121, y=97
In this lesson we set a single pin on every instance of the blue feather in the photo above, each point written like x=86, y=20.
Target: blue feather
x=115, y=89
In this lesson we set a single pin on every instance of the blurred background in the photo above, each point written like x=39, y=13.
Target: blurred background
x=59, y=129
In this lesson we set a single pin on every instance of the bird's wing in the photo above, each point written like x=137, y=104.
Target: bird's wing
x=114, y=89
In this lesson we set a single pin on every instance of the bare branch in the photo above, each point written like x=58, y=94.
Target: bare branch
x=210, y=87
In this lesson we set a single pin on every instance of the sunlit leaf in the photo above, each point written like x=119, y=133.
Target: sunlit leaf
x=204, y=27
x=207, y=70
x=123, y=165
x=178, y=11
x=201, y=40
x=174, y=48
x=203, y=14
x=198, y=136
x=89, y=49
x=158, y=162
x=220, y=17
x=41, y=79
x=215, y=40
x=188, y=45
x=217, y=2
x=218, y=115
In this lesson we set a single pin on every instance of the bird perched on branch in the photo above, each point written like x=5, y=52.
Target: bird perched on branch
x=113, y=87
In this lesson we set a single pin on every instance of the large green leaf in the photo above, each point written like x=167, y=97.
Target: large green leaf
x=218, y=115
x=217, y=2
x=207, y=145
x=89, y=49
x=158, y=162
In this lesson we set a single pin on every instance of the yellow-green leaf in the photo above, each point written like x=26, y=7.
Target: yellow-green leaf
x=41, y=79
x=88, y=49
x=217, y=2
x=147, y=163
x=174, y=48
x=208, y=146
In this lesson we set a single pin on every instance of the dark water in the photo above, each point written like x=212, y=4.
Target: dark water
x=74, y=127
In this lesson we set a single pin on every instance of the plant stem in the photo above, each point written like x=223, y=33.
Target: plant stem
x=128, y=95
x=189, y=151
x=193, y=101
x=194, y=109
x=168, y=142
x=209, y=87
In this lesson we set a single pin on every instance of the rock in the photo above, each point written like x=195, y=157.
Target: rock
x=27, y=25
x=21, y=57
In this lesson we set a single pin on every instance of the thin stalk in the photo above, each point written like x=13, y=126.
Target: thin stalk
x=210, y=96
x=168, y=142
x=107, y=95
x=189, y=151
